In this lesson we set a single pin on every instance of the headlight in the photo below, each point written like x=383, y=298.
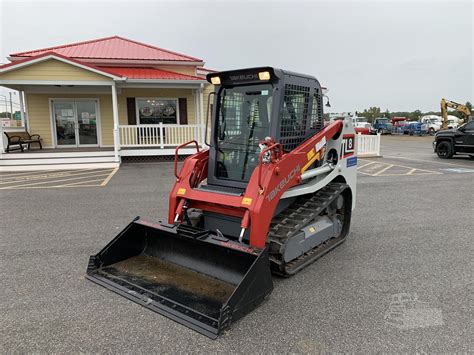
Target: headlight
x=215, y=80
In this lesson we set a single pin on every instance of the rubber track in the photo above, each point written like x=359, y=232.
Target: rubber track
x=291, y=221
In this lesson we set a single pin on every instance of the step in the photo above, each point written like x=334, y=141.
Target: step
x=45, y=161
x=56, y=154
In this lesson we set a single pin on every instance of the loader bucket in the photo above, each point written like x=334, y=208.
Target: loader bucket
x=191, y=276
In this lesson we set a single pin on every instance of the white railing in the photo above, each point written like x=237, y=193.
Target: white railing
x=368, y=145
x=157, y=135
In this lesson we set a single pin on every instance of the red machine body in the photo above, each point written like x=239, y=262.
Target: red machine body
x=267, y=183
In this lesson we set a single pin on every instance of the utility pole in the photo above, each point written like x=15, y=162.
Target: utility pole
x=6, y=105
x=11, y=106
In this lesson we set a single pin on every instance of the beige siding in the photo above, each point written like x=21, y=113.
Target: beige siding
x=40, y=120
x=52, y=69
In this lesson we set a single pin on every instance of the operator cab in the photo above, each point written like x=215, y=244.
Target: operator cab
x=254, y=105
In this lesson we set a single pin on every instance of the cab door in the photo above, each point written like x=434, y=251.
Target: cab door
x=468, y=137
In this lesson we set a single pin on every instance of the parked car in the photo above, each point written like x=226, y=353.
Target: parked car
x=381, y=125
x=455, y=141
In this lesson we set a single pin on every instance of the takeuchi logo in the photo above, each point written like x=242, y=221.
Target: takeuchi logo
x=243, y=77
x=283, y=183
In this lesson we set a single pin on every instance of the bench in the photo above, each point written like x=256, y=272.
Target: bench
x=21, y=138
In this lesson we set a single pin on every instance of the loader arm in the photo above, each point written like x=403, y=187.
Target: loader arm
x=456, y=106
x=257, y=206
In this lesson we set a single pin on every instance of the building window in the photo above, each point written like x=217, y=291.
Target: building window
x=155, y=110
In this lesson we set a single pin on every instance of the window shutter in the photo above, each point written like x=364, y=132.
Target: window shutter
x=183, y=111
x=131, y=111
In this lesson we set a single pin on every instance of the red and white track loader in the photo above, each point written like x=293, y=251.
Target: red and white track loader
x=273, y=192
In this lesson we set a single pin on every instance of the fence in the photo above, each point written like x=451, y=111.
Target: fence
x=368, y=145
x=157, y=135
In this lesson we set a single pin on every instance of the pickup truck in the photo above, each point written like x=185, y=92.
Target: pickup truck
x=455, y=141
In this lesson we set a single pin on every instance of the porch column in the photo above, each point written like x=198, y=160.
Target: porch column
x=116, y=122
x=201, y=113
x=197, y=117
x=22, y=110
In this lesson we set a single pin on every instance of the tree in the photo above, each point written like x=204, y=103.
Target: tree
x=415, y=115
x=371, y=113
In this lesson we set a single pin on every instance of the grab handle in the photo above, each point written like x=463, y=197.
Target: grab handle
x=176, y=155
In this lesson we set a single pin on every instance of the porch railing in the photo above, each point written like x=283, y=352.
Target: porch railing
x=157, y=135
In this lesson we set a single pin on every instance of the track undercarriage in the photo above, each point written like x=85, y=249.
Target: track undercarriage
x=331, y=204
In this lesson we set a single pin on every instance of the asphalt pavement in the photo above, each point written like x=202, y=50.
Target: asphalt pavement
x=402, y=282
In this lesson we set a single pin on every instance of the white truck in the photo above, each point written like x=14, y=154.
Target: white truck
x=434, y=123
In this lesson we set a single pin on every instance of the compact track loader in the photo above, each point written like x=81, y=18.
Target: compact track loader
x=273, y=192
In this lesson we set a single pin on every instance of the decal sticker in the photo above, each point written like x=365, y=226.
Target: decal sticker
x=310, y=154
x=321, y=144
x=247, y=201
x=348, y=145
x=352, y=161
x=282, y=183
x=181, y=191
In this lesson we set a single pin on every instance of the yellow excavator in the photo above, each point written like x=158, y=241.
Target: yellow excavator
x=454, y=105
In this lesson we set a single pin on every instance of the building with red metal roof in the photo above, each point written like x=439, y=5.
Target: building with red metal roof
x=113, y=97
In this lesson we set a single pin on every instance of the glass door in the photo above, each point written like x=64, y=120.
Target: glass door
x=86, y=122
x=75, y=123
x=65, y=121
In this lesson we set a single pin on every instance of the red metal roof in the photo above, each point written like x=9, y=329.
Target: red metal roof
x=148, y=73
x=114, y=47
x=53, y=54
x=121, y=72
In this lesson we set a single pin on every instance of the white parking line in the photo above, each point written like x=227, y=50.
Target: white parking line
x=426, y=161
x=387, y=166
x=49, y=181
x=21, y=174
x=363, y=166
x=106, y=181
x=383, y=170
x=82, y=182
x=51, y=175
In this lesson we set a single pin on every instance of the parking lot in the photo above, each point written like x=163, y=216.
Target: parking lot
x=56, y=179
x=402, y=282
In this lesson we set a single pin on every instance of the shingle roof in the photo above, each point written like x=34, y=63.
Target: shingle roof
x=114, y=47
